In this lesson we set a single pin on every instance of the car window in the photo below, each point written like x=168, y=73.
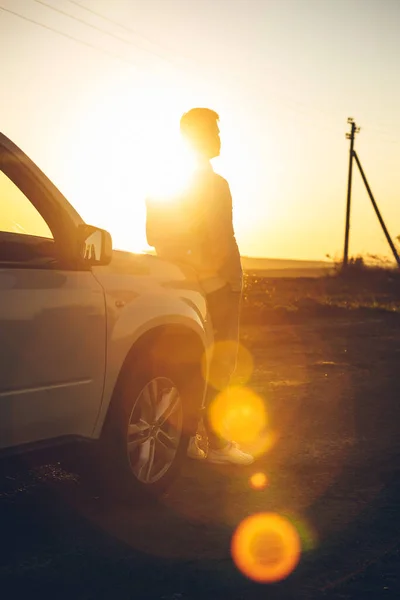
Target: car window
x=17, y=213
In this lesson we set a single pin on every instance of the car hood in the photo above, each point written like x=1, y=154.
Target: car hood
x=129, y=263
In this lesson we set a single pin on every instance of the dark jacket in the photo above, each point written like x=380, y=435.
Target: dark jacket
x=196, y=227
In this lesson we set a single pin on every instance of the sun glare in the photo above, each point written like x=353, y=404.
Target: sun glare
x=169, y=173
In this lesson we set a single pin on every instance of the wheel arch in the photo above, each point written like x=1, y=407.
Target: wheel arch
x=175, y=344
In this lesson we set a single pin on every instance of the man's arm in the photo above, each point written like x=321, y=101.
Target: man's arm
x=221, y=232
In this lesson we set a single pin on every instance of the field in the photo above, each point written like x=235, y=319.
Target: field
x=326, y=356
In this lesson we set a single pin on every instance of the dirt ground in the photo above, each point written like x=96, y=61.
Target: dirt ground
x=331, y=388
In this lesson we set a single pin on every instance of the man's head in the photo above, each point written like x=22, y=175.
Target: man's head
x=199, y=127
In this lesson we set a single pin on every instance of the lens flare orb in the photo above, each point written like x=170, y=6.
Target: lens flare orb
x=239, y=414
x=258, y=481
x=266, y=547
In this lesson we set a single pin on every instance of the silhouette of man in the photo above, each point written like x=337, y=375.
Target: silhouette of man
x=202, y=235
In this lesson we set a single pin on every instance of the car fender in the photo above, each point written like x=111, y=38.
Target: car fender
x=131, y=316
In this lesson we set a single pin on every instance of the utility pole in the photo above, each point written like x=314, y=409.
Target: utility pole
x=350, y=136
x=353, y=154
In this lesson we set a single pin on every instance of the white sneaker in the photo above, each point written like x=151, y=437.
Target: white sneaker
x=194, y=450
x=229, y=454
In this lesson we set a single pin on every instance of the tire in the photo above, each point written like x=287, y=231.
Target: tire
x=146, y=433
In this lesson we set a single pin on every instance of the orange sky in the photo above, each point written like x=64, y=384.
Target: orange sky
x=100, y=115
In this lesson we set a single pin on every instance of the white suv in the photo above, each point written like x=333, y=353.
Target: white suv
x=96, y=345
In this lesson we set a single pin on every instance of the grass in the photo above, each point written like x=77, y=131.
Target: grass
x=360, y=288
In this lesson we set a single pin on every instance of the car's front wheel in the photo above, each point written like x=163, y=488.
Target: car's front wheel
x=155, y=430
x=146, y=433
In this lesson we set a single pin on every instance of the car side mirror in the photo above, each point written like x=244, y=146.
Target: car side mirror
x=95, y=245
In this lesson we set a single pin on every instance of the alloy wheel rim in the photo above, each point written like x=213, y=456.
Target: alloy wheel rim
x=154, y=430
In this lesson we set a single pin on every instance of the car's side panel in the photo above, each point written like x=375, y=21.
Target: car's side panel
x=52, y=343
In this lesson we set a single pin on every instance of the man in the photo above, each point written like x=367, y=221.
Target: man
x=203, y=235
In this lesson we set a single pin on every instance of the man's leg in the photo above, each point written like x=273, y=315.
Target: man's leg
x=223, y=308
x=224, y=311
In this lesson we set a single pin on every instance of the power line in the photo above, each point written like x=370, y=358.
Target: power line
x=169, y=59
x=113, y=22
x=67, y=35
x=113, y=55
x=96, y=28
x=66, y=14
